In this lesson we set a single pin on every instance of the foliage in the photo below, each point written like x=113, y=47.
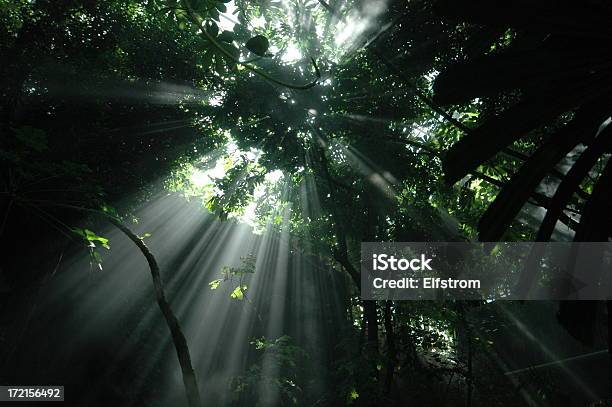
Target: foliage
x=92, y=239
x=276, y=371
x=258, y=45
x=561, y=86
x=240, y=273
x=105, y=103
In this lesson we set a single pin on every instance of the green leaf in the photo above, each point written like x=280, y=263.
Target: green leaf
x=215, y=284
x=238, y=292
x=212, y=28
x=214, y=14
x=258, y=45
x=227, y=36
x=221, y=7
x=92, y=238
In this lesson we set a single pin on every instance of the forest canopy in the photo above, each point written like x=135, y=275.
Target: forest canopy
x=319, y=125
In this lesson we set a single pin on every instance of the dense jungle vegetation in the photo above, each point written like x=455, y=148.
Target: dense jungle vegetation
x=236, y=153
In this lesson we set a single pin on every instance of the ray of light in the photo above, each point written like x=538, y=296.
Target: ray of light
x=547, y=351
x=116, y=306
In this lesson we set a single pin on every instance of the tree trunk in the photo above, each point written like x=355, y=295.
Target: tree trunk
x=178, y=338
x=180, y=342
x=391, y=351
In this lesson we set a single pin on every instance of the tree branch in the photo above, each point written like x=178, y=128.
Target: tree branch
x=178, y=338
x=199, y=22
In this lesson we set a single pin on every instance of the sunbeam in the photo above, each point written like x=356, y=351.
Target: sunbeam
x=120, y=297
x=301, y=203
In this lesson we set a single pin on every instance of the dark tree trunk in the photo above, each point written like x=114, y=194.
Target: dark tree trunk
x=178, y=338
x=391, y=352
x=369, y=310
x=180, y=342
